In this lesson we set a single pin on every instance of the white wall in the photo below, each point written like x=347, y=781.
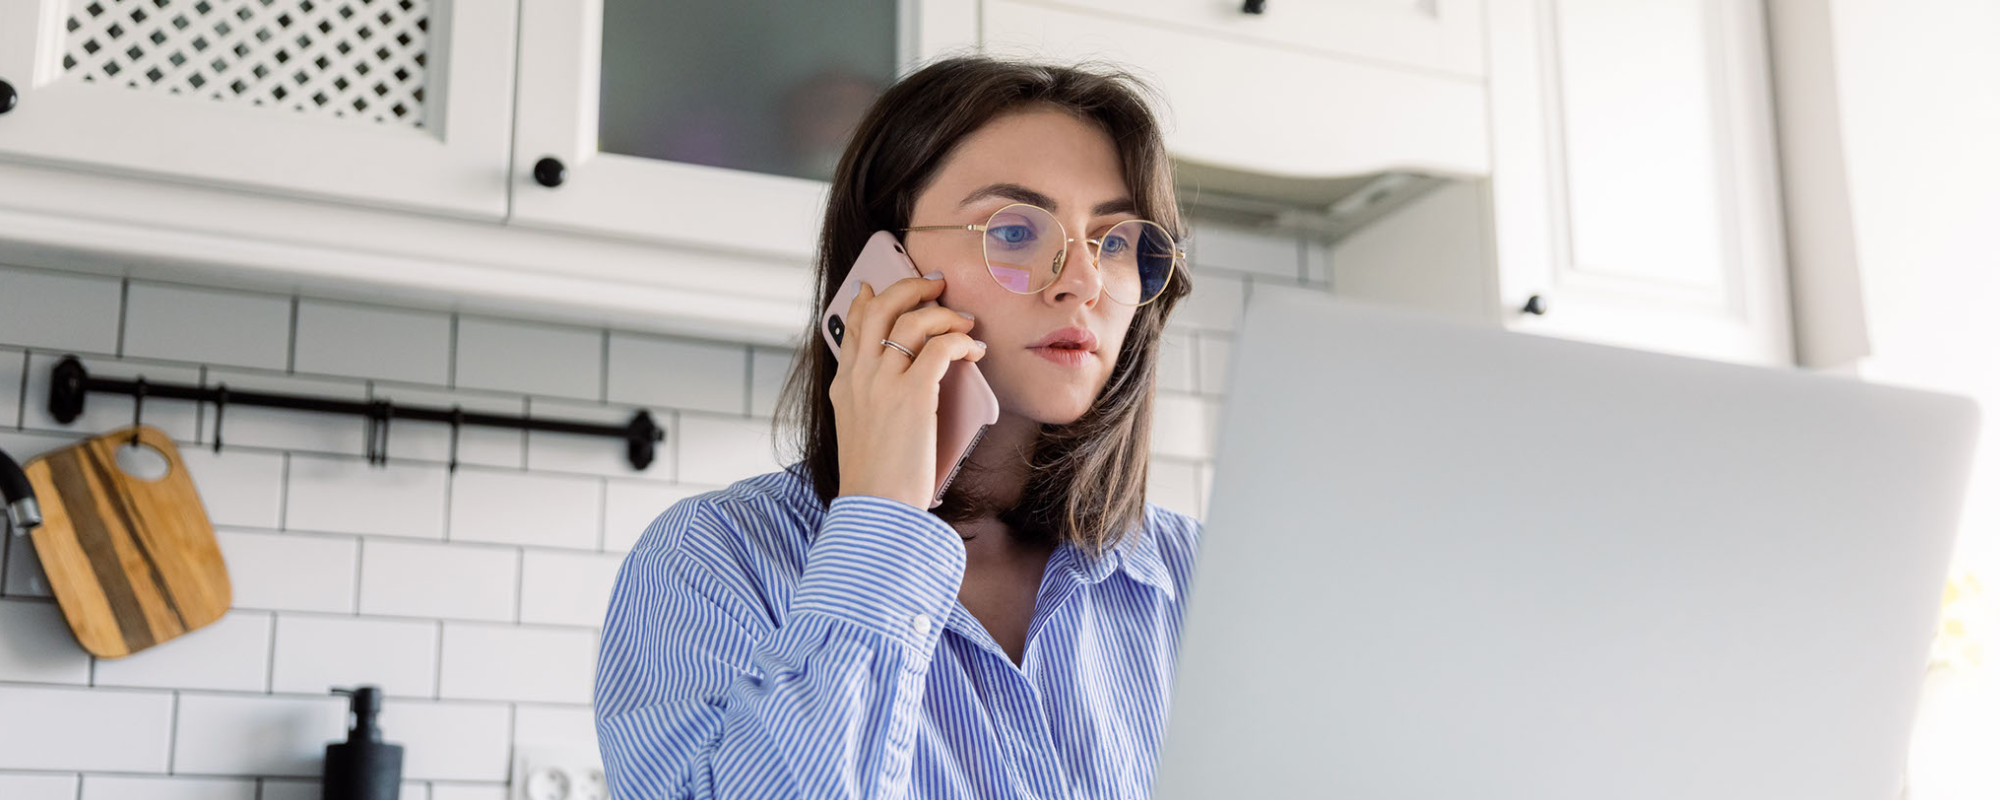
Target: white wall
x=473, y=598
x=1901, y=103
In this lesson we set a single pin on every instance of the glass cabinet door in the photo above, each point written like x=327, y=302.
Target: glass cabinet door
x=769, y=86
x=705, y=123
x=404, y=104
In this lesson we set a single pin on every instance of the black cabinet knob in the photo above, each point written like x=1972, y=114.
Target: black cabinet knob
x=550, y=172
x=8, y=97
x=1253, y=6
x=1536, y=305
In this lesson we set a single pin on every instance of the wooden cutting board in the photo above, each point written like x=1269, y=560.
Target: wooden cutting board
x=132, y=562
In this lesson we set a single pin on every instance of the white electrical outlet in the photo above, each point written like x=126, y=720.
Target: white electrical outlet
x=553, y=772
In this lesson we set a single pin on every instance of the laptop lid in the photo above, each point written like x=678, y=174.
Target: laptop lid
x=1449, y=561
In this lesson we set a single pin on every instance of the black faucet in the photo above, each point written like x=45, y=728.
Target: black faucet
x=22, y=511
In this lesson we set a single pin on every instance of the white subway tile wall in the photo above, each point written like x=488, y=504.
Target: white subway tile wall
x=372, y=342
x=313, y=654
x=230, y=654
x=186, y=323
x=474, y=596
x=60, y=311
x=529, y=358
x=37, y=646
x=147, y=787
x=13, y=369
x=290, y=571
x=38, y=786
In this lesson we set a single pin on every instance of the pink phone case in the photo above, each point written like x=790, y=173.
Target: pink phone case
x=966, y=405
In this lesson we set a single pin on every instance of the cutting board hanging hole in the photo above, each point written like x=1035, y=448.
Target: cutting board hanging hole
x=142, y=461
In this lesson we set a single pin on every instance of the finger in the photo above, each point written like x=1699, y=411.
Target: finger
x=939, y=352
x=892, y=302
x=916, y=327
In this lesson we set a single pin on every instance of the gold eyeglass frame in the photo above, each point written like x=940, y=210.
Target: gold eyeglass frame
x=1096, y=247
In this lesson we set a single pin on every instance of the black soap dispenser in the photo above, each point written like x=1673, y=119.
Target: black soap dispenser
x=364, y=767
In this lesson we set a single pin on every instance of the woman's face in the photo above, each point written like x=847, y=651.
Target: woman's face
x=1075, y=167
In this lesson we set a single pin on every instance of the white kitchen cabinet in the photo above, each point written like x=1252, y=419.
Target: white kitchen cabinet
x=1282, y=94
x=393, y=103
x=1635, y=184
x=1633, y=198
x=1441, y=36
x=710, y=124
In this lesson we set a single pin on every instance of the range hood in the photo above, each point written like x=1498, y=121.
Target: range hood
x=1327, y=209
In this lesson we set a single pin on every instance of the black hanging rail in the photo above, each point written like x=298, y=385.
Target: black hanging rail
x=70, y=381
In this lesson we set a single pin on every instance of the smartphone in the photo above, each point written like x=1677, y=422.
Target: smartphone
x=966, y=405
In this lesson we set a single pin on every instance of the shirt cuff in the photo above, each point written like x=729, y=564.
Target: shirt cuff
x=885, y=565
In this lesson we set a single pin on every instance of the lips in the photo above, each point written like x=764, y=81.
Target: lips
x=1070, y=338
x=1073, y=346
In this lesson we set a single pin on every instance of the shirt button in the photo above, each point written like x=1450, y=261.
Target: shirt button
x=921, y=623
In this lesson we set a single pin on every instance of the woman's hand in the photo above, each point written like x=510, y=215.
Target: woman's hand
x=885, y=403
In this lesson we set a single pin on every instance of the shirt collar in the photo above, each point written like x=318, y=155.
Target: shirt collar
x=1137, y=554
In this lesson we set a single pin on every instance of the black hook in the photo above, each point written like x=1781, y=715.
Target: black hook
x=640, y=434
x=138, y=406
x=368, y=434
x=457, y=419
x=388, y=411
x=221, y=402
x=377, y=433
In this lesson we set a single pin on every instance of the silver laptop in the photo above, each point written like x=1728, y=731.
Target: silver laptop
x=1446, y=561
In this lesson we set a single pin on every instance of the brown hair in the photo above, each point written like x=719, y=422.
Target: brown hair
x=1087, y=479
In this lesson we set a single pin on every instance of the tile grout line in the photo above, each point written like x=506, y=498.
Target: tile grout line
x=284, y=487
x=271, y=666
x=6, y=552
x=1194, y=357
x=354, y=600
x=201, y=380
x=450, y=483
x=520, y=577
x=21, y=410
x=604, y=367
x=173, y=731
x=1304, y=275
x=124, y=305
x=451, y=362
x=749, y=379
x=603, y=509
x=292, y=340
x=513, y=725
x=437, y=669
x=527, y=410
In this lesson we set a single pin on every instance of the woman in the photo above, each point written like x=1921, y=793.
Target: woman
x=816, y=632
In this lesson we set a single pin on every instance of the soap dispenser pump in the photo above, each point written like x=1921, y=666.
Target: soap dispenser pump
x=364, y=767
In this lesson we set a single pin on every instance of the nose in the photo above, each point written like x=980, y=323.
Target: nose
x=1079, y=276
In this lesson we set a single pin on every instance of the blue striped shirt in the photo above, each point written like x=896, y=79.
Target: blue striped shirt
x=761, y=645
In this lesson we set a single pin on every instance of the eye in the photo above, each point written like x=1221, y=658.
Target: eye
x=1012, y=234
x=1116, y=245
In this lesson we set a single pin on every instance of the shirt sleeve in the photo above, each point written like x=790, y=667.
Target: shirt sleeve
x=696, y=698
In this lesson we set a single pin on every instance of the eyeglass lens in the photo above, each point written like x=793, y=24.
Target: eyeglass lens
x=1025, y=250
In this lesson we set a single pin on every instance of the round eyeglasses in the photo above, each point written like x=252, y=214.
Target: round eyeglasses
x=1026, y=248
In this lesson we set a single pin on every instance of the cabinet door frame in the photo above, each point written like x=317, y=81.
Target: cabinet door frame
x=1744, y=316
x=652, y=199
x=455, y=165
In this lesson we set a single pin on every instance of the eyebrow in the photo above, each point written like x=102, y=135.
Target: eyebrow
x=1023, y=194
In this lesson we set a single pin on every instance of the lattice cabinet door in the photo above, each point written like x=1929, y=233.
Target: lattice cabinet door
x=403, y=103
x=712, y=124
